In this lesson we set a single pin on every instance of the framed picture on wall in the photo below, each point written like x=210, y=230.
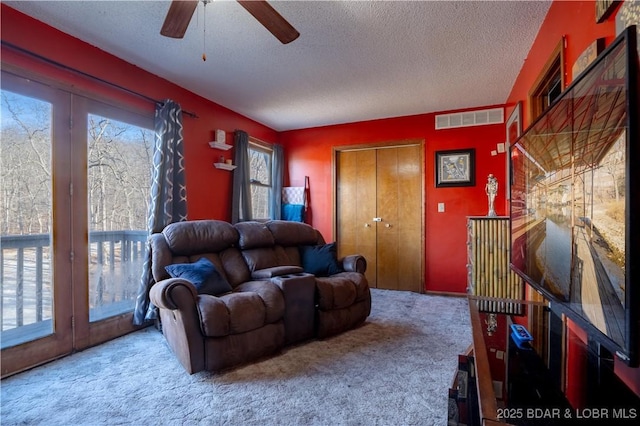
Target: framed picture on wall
x=455, y=168
x=514, y=130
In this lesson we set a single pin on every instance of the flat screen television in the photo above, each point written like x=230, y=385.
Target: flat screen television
x=575, y=191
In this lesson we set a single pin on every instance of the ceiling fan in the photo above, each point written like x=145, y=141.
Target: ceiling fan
x=181, y=11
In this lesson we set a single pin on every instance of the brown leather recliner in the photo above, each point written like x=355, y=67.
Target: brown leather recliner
x=272, y=301
x=343, y=299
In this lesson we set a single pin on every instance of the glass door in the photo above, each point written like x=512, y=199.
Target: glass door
x=74, y=191
x=35, y=248
x=119, y=165
x=115, y=161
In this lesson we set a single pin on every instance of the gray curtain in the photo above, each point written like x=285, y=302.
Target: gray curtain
x=277, y=177
x=168, y=194
x=241, y=201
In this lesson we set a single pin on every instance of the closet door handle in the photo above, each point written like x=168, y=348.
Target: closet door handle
x=387, y=225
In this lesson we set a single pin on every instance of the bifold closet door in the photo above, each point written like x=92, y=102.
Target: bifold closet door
x=399, y=213
x=379, y=213
x=356, y=205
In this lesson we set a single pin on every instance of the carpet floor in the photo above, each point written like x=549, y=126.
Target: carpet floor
x=393, y=370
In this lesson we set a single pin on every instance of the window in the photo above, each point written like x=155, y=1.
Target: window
x=549, y=84
x=119, y=170
x=260, y=160
x=25, y=231
x=549, y=89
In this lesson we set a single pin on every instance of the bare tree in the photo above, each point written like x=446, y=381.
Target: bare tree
x=613, y=165
x=119, y=163
x=25, y=163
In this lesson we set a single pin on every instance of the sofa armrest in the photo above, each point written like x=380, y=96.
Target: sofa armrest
x=177, y=300
x=354, y=263
x=299, y=300
x=167, y=295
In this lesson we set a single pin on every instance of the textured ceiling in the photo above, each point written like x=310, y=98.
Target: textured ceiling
x=354, y=60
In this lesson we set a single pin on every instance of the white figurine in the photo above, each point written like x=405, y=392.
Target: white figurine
x=491, y=189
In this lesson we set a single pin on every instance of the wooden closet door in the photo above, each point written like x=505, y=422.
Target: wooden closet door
x=399, y=207
x=379, y=213
x=356, y=205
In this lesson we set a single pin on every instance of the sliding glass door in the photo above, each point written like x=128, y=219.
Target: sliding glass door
x=35, y=244
x=75, y=181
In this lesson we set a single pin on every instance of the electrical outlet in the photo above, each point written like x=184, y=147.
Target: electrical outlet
x=440, y=207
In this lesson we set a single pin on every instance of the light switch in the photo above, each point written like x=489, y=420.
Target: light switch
x=440, y=207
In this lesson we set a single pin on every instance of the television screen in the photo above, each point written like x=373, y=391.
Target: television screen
x=571, y=189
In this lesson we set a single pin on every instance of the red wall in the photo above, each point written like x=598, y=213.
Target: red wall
x=579, y=31
x=576, y=365
x=309, y=153
x=208, y=189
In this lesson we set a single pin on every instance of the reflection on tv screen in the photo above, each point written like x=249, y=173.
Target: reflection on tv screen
x=568, y=198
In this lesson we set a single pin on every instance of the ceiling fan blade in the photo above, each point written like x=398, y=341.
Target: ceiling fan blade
x=178, y=18
x=271, y=20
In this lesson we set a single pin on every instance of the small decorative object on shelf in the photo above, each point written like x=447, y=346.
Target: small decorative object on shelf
x=492, y=323
x=224, y=166
x=219, y=143
x=220, y=136
x=491, y=189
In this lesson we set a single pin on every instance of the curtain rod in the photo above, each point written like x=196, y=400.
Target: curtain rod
x=84, y=74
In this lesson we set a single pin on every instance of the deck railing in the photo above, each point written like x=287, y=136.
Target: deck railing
x=25, y=274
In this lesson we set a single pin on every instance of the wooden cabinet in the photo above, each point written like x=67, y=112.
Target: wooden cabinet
x=489, y=255
x=379, y=213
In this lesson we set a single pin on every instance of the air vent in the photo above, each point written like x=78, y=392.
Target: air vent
x=479, y=117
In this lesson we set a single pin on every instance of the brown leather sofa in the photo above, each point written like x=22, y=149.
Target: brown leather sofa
x=270, y=300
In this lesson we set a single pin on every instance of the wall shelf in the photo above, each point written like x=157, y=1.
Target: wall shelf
x=224, y=166
x=220, y=145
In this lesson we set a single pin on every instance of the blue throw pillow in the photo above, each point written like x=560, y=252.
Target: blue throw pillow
x=321, y=261
x=203, y=274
